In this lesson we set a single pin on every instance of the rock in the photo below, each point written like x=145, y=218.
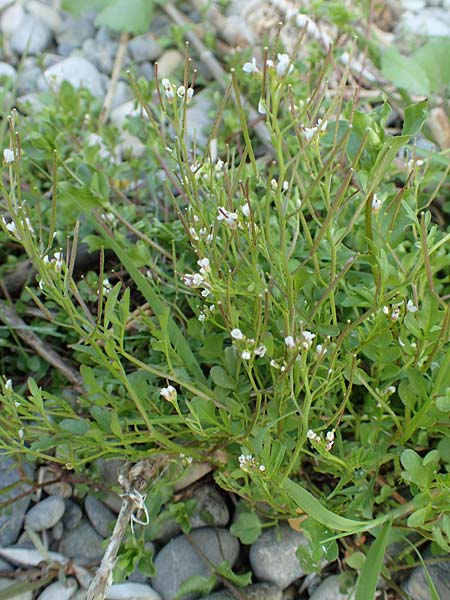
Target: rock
x=5, y=3
x=179, y=560
x=272, y=556
x=74, y=32
x=57, y=531
x=191, y=474
x=12, y=516
x=79, y=595
x=72, y=515
x=100, y=516
x=146, y=70
x=120, y=114
x=417, y=585
x=27, y=76
x=169, y=62
x=47, y=14
x=108, y=470
x=113, y=500
x=144, y=47
x=430, y=21
x=258, y=591
x=6, y=583
x=100, y=54
x=12, y=19
x=30, y=557
x=61, y=488
x=211, y=508
x=130, y=591
x=414, y=5
x=198, y=121
x=45, y=514
x=329, y=590
x=59, y=590
x=5, y=566
x=122, y=94
x=83, y=544
x=32, y=37
x=167, y=530
x=78, y=71
x=6, y=70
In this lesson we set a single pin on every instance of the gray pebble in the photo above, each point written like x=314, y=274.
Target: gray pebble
x=329, y=590
x=12, y=516
x=61, y=488
x=199, y=121
x=130, y=591
x=169, y=62
x=47, y=14
x=146, y=70
x=258, y=591
x=27, y=76
x=179, y=560
x=78, y=71
x=144, y=47
x=6, y=70
x=45, y=514
x=57, y=531
x=5, y=566
x=430, y=21
x=108, y=470
x=100, y=54
x=74, y=32
x=12, y=18
x=417, y=586
x=33, y=36
x=101, y=518
x=122, y=94
x=60, y=590
x=82, y=543
x=72, y=515
x=272, y=556
x=211, y=508
x=6, y=583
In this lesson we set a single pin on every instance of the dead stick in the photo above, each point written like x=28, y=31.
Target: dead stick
x=118, y=63
x=10, y=318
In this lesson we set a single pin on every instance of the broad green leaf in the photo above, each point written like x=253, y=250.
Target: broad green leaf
x=404, y=72
x=197, y=584
x=225, y=570
x=443, y=402
x=320, y=548
x=356, y=560
x=415, y=116
x=123, y=15
x=247, y=527
x=78, y=7
x=366, y=585
x=433, y=58
x=221, y=378
x=75, y=426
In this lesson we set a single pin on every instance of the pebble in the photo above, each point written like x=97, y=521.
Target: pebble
x=61, y=488
x=414, y=5
x=59, y=590
x=5, y=566
x=198, y=121
x=5, y=583
x=430, y=21
x=129, y=591
x=108, y=470
x=144, y=47
x=179, y=560
x=27, y=76
x=32, y=37
x=169, y=62
x=101, y=518
x=272, y=556
x=78, y=71
x=12, y=19
x=211, y=508
x=72, y=515
x=329, y=590
x=257, y=591
x=5, y=3
x=6, y=70
x=100, y=54
x=12, y=516
x=82, y=543
x=48, y=15
x=45, y=514
x=122, y=94
x=417, y=586
x=74, y=32
x=57, y=531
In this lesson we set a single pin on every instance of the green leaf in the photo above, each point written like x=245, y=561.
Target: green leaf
x=247, y=527
x=319, y=550
x=443, y=402
x=75, y=426
x=197, y=584
x=123, y=15
x=404, y=72
x=366, y=586
x=356, y=560
x=78, y=7
x=433, y=58
x=226, y=571
x=221, y=378
x=415, y=116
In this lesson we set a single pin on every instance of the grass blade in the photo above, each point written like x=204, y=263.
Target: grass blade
x=366, y=585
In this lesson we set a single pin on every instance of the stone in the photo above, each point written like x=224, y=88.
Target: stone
x=146, y=70
x=272, y=556
x=27, y=76
x=72, y=515
x=122, y=94
x=414, y=5
x=180, y=560
x=7, y=71
x=120, y=114
x=108, y=470
x=144, y=47
x=12, y=19
x=329, y=590
x=83, y=544
x=73, y=32
x=47, y=14
x=32, y=37
x=6, y=583
x=198, y=119
x=428, y=22
x=100, y=516
x=5, y=3
x=60, y=590
x=169, y=62
x=11, y=517
x=57, y=531
x=167, y=530
x=100, y=54
x=211, y=508
x=130, y=591
x=417, y=585
x=257, y=591
x=45, y=514
x=61, y=488
x=5, y=566
x=78, y=71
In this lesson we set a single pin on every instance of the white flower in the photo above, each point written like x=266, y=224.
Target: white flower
x=260, y=351
x=246, y=355
x=193, y=280
x=285, y=186
x=237, y=334
x=181, y=91
x=190, y=93
x=230, y=218
x=312, y=435
x=330, y=436
x=308, y=338
x=107, y=287
x=411, y=307
x=309, y=132
x=261, y=107
x=246, y=210
x=250, y=67
x=289, y=341
x=201, y=317
x=386, y=310
x=205, y=293
x=261, y=468
x=8, y=385
x=395, y=313
x=58, y=261
x=321, y=350
x=390, y=390
x=166, y=84
x=284, y=65
x=204, y=264
x=8, y=156
x=21, y=433
x=11, y=227
x=169, y=393
x=376, y=203
x=273, y=363
x=269, y=63
x=274, y=184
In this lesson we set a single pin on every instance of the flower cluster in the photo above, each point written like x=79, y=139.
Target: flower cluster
x=56, y=262
x=11, y=227
x=169, y=393
x=310, y=132
x=8, y=156
x=305, y=341
x=247, y=345
x=228, y=217
x=247, y=462
x=282, y=67
x=197, y=280
x=329, y=438
x=376, y=204
x=170, y=89
x=394, y=310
